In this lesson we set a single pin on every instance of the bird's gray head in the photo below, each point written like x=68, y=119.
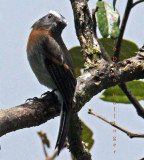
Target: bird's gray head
x=53, y=21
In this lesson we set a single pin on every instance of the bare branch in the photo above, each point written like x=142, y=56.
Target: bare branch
x=53, y=156
x=137, y=105
x=123, y=26
x=137, y=2
x=130, y=134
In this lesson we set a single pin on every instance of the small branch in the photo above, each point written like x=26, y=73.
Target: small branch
x=134, y=101
x=44, y=149
x=53, y=156
x=137, y=2
x=104, y=53
x=123, y=26
x=77, y=147
x=130, y=134
x=46, y=142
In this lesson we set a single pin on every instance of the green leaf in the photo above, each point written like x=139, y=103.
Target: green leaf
x=108, y=20
x=77, y=58
x=87, y=136
x=128, y=48
x=136, y=87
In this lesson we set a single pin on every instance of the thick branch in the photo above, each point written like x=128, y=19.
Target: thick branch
x=85, y=31
x=89, y=84
x=130, y=134
x=28, y=115
x=76, y=147
x=101, y=77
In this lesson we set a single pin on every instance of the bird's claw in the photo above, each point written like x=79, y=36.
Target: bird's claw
x=44, y=97
x=35, y=99
x=45, y=94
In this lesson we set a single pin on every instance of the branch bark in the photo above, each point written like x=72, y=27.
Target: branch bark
x=89, y=84
x=85, y=32
x=130, y=134
x=137, y=2
x=132, y=98
x=123, y=26
x=77, y=147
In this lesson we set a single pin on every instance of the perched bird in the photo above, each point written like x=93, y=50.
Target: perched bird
x=52, y=64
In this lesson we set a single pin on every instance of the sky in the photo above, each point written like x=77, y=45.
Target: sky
x=17, y=83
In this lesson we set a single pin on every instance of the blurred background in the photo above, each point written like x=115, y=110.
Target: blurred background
x=17, y=83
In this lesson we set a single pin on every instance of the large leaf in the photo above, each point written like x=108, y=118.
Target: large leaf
x=78, y=59
x=128, y=48
x=108, y=20
x=87, y=136
x=136, y=87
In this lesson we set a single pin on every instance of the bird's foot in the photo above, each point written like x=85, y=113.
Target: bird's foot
x=44, y=97
x=35, y=99
x=48, y=93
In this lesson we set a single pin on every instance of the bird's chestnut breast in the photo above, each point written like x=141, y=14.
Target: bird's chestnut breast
x=35, y=37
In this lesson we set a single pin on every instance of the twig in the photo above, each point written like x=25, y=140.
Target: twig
x=103, y=51
x=130, y=134
x=44, y=149
x=134, y=101
x=44, y=140
x=137, y=2
x=123, y=26
x=53, y=156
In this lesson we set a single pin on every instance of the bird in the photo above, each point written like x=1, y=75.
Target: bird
x=53, y=66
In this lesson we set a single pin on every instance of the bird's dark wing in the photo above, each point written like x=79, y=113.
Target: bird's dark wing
x=59, y=65
x=60, y=68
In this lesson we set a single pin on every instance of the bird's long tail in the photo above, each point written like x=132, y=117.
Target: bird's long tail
x=64, y=126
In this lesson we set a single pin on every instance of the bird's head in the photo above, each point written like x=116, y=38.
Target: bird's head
x=53, y=21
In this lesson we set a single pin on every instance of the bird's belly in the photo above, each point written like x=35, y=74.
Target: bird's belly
x=41, y=72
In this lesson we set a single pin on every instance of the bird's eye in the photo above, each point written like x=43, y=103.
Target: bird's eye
x=49, y=16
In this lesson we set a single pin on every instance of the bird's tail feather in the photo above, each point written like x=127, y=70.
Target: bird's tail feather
x=63, y=130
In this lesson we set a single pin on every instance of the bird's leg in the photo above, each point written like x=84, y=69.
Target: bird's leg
x=44, y=97
x=48, y=92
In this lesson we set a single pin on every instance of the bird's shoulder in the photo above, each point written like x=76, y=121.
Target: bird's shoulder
x=36, y=36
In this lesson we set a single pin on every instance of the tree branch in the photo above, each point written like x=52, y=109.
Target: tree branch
x=77, y=147
x=130, y=134
x=89, y=84
x=85, y=31
x=137, y=2
x=81, y=32
x=123, y=26
x=28, y=115
x=137, y=105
